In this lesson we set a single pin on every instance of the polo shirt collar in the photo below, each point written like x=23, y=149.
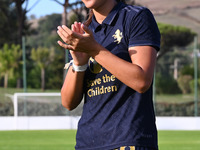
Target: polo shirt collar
x=109, y=20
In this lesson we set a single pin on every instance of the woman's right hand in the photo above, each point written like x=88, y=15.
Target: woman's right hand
x=79, y=58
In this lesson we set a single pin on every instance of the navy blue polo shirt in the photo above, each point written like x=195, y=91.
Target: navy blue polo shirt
x=115, y=115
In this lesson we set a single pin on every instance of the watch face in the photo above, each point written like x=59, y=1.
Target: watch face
x=94, y=66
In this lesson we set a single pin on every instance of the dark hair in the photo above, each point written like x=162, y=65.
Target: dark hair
x=89, y=19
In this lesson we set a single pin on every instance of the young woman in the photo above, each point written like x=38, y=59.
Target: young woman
x=113, y=65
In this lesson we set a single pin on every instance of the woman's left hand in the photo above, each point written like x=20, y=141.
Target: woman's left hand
x=77, y=42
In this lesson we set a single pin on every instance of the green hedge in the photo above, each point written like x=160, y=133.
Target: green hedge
x=6, y=108
x=175, y=109
x=36, y=109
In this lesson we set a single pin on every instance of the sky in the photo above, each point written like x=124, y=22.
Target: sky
x=44, y=7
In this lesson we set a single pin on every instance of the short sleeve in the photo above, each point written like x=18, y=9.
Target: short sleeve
x=144, y=30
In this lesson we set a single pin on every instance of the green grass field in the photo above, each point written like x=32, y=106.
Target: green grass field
x=37, y=140
x=179, y=140
x=65, y=140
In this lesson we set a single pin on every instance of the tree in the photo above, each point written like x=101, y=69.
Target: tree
x=9, y=57
x=64, y=14
x=42, y=57
x=173, y=36
x=13, y=20
x=49, y=23
x=21, y=17
x=174, y=39
x=79, y=10
x=46, y=36
x=45, y=31
x=72, y=6
x=8, y=22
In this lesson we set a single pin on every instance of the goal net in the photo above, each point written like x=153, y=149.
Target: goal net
x=41, y=104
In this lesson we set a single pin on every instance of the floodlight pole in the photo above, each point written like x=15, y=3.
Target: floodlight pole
x=66, y=56
x=195, y=77
x=24, y=73
x=66, y=61
x=24, y=64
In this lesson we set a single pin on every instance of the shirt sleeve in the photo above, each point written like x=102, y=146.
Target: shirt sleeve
x=144, y=30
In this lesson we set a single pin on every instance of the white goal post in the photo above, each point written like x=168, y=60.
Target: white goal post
x=40, y=111
x=71, y=121
x=16, y=95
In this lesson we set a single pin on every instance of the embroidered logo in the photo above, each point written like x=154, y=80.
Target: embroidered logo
x=118, y=36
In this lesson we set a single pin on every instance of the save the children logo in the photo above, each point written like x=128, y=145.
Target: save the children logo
x=118, y=36
x=94, y=66
x=103, y=84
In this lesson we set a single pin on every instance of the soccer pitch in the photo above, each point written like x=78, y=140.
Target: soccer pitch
x=65, y=140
